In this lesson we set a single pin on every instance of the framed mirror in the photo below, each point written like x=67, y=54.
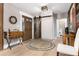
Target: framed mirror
x=13, y=20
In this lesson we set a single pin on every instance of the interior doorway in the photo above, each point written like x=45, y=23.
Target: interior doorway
x=27, y=28
x=37, y=27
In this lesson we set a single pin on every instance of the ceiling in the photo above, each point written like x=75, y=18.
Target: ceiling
x=34, y=9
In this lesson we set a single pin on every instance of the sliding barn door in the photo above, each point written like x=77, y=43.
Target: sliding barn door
x=37, y=28
x=1, y=26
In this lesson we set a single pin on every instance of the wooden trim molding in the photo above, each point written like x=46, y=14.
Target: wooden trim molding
x=1, y=25
x=46, y=16
x=43, y=16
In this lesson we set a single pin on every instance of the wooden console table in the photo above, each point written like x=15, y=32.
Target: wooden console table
x=16, y=34
x=11, y=35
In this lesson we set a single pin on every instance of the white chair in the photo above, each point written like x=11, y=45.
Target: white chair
x=69, y=50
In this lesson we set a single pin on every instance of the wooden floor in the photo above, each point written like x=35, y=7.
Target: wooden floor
x=22, y=50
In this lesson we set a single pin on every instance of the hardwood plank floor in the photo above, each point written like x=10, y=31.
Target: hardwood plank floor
x=22, y=50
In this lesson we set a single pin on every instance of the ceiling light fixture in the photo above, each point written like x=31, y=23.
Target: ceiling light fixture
x=44, y=8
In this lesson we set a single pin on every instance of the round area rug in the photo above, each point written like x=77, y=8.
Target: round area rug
x=39, y=44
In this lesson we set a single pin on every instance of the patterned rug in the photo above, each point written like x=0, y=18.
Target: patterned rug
x=42, y=45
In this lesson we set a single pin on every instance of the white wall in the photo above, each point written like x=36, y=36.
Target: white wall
x=47, y=27
x=61, y=23
x=53, y=27
x=10, y=10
